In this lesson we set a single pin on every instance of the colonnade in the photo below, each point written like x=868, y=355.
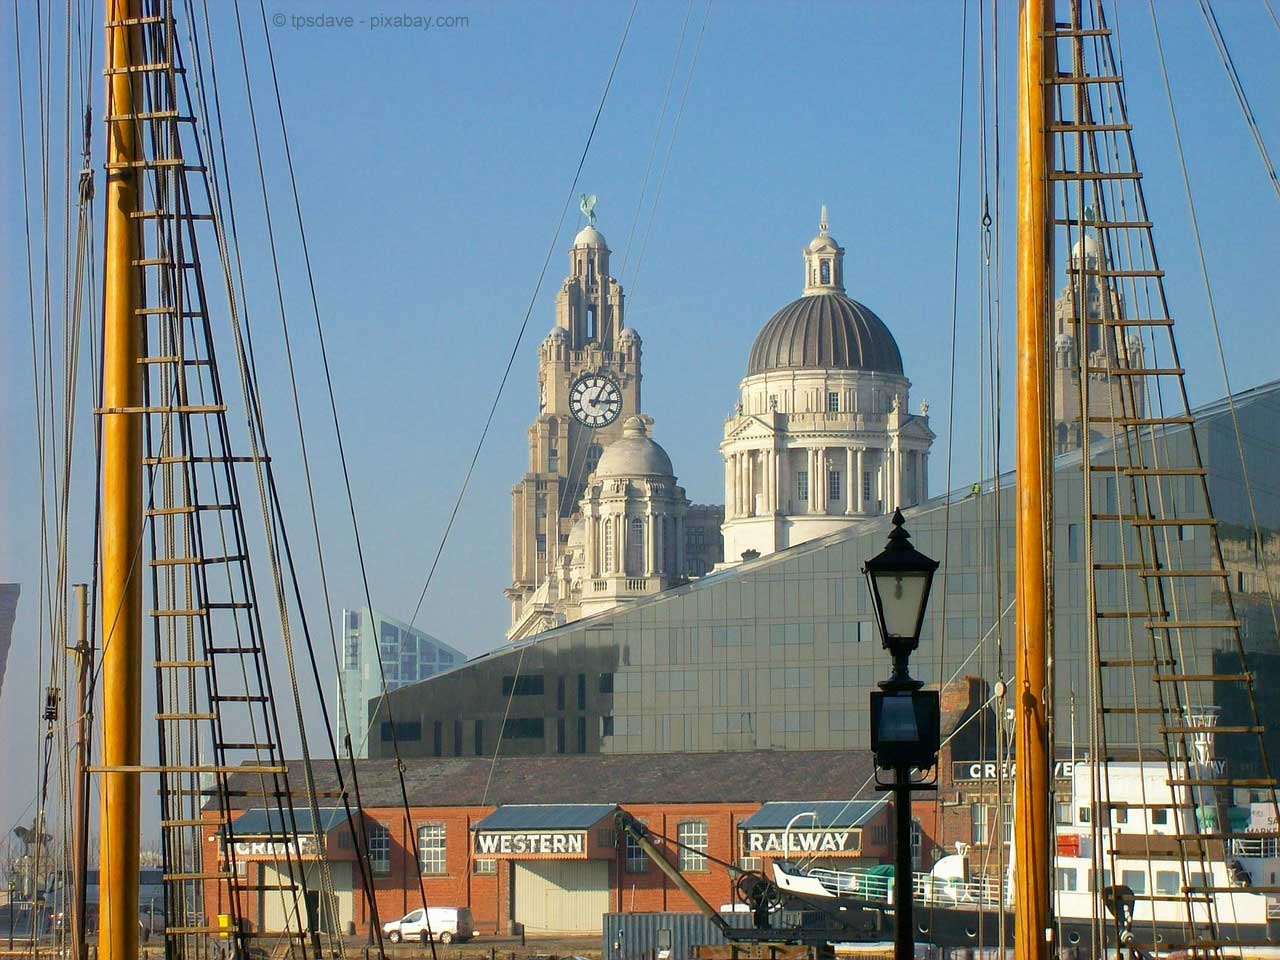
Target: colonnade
x=759, y=482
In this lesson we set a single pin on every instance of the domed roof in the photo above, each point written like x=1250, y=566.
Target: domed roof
x=634, y=454
x=557, y=333
x=589, y=236
x=628, y=334
x=826, y=331
x=823, y=241
x=1090, y=246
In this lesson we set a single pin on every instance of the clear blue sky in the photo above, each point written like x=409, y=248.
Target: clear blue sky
x=432, y=166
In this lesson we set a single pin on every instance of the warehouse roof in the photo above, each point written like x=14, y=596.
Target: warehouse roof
x=727, y=777
x=827, y=814
x=546, y=816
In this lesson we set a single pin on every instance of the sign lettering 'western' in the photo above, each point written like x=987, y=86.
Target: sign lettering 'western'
x=532, y=844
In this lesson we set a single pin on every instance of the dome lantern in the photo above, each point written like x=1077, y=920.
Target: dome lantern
x=823, y=262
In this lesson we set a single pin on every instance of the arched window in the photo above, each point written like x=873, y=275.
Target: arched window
x=591, y=268
x=591, y=321
x=825, y=270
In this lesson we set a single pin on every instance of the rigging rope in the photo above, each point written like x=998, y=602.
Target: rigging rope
x=1228, y=63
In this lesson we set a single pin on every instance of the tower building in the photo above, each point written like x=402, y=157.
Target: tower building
x=598, y=518
x=821, y=437
x=1104, y=345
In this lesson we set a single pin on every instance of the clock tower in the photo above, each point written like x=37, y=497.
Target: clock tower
x=588, y=385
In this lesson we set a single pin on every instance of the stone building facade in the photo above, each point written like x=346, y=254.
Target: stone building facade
x=598, y=518
x=821, y=437
x=1104, y=345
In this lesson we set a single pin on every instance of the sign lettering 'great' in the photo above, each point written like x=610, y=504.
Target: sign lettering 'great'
x=541, y=844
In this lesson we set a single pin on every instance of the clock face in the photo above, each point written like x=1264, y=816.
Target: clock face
x=595, y=400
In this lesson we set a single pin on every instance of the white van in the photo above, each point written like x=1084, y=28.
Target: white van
x=446, y=924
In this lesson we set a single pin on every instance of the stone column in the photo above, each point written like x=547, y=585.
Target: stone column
x=861, y=466
x=810, y=457
x=899, y=475
x=822, y=479
x=649, y=565
x=749, y=483
x=779, y=478
x=849, y=480
x=589, y=546
x=737, y=485
x=728, y=488
x=620, y=560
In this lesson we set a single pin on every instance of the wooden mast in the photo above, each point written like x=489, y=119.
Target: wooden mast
x=1032, y=859
x=122, y=560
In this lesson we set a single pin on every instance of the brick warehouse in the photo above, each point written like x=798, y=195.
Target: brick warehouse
x=531, y=840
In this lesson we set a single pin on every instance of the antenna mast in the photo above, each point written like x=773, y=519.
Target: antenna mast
x=1031, y=693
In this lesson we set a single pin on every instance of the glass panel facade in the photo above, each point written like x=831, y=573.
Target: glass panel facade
x=782, y=653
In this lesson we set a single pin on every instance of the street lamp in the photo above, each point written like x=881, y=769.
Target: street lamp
x=905, y=719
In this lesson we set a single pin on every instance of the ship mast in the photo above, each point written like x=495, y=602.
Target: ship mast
x=1031, y=693
x=121, y=573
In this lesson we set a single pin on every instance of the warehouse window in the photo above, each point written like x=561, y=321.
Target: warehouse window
x=522, y=728
x=402, y=732
x=582, y=734
x=484, y=867
x=379, y=849
x=979, y=819
x=560, y=748
x=606, y=683
x=437, y=738
x=527, y=686
x=637, y=859
x=457, y=738
x=431, y=848
x=478, y=730
x=582, y=691
x=692, y=835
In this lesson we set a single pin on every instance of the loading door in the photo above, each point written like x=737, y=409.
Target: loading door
x=562, y=896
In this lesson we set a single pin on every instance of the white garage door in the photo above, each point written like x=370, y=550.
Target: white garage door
x=280, y=910
x=562, y=896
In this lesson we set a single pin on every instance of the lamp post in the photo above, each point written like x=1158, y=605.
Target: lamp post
x=904, y=717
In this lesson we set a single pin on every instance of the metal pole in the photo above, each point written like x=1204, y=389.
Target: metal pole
x=122, y=346
x=80, y=798
x=904, y=946
x=1034, y=497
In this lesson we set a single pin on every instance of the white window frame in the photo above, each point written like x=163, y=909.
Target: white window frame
x=637, y=861
x=692, y=834
x=979, y=823
x=379, y=850
x=431, y=849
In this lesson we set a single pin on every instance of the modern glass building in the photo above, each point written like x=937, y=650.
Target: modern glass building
x=781, y=652
x=378, y=649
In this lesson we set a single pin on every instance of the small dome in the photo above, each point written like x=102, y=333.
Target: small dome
x=557, y=333
x=823, y=242
x=827, y=331
x=634, y=454
x=629, y=334
x=589, y=236
x=1090, y=246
